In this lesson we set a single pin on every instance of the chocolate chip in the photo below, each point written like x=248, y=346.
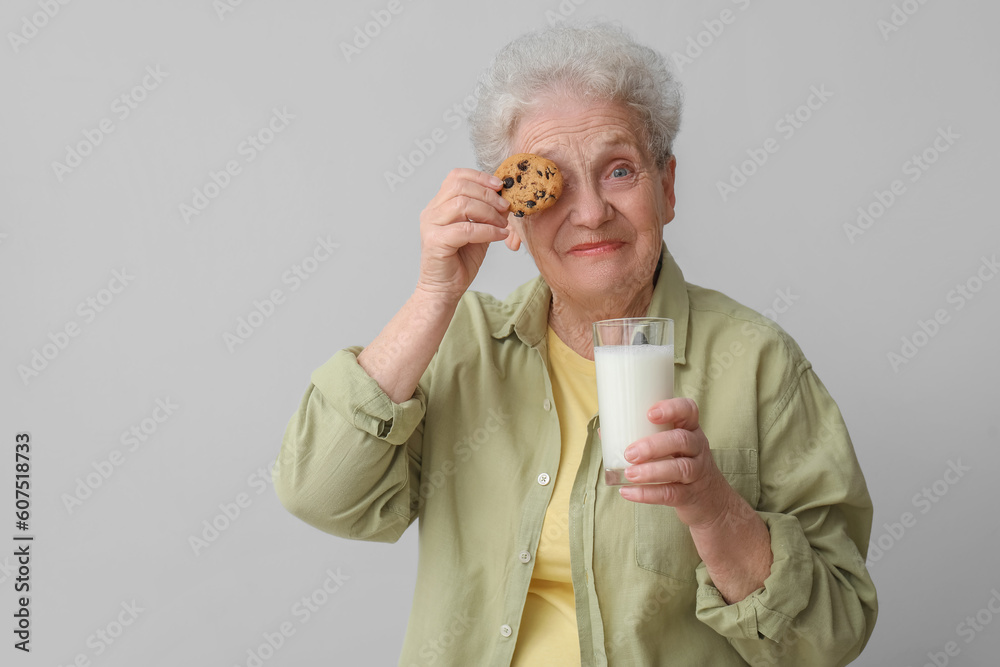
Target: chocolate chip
x=540, y=194
x=538, y=172
x=529, y=204
x=523, y=165
x=519, y=175
x=508, y=182
x=518, y=214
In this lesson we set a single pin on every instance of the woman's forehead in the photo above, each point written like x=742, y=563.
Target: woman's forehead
x=553, y=130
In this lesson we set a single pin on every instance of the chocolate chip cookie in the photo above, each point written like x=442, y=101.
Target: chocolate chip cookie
x=530, y=183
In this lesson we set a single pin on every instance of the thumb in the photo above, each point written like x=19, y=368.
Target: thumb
x=513, y=239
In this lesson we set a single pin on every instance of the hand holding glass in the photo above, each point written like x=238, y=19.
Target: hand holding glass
x=634, y=359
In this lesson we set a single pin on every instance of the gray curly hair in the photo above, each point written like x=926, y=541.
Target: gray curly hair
x=599, y=61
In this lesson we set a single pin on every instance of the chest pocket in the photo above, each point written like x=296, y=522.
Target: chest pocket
x=663, y=543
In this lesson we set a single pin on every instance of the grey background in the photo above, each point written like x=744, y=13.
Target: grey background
x=162, y=337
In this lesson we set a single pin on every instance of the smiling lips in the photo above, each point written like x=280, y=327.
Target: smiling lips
x=595, y=248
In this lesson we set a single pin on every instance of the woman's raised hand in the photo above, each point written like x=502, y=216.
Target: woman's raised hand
x=456, y=229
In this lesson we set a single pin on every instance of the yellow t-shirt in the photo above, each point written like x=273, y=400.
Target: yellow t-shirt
x=548, y=631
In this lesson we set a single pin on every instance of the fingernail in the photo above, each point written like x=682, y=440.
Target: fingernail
x=631, y=473
x=631, y=453
x=655, y=413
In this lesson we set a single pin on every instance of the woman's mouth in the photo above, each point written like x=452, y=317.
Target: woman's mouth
x=593, y=249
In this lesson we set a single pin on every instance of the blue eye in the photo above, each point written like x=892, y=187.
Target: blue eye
x=620, y=172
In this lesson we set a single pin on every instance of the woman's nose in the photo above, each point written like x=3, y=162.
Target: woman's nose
x=589, y=207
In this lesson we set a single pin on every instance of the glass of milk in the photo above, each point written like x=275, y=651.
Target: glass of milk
x=634, y=358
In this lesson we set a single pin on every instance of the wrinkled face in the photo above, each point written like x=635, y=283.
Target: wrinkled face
x=600, y=242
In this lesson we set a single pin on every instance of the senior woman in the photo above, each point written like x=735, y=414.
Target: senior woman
x=479, y=416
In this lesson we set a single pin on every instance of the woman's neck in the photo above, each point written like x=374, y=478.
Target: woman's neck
x=572, y=322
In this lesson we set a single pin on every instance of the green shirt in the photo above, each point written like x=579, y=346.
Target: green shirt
x=473, y=452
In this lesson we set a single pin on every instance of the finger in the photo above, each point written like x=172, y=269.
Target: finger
x=681, y=412
x=676, y=442
x=485, y=179
x=462, y=209
x=474, y=185
x=656, y=494
x=476, y=192
x=461, y=234
x=680, y=470
x=514, y=239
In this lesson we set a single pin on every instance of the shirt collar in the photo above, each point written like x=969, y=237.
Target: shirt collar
x=530, y=319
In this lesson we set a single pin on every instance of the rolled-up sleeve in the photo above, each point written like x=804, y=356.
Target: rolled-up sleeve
x=350, y=458
x=818, y=605
x=770, y=610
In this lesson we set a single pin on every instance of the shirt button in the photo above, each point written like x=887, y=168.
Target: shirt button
x=547, y=404
x=543, y=479
x=505, y=630
x=524, y=556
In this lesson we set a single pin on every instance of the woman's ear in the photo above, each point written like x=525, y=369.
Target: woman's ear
x=669, y=176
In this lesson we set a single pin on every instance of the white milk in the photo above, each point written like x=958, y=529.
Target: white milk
x=630, y=379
